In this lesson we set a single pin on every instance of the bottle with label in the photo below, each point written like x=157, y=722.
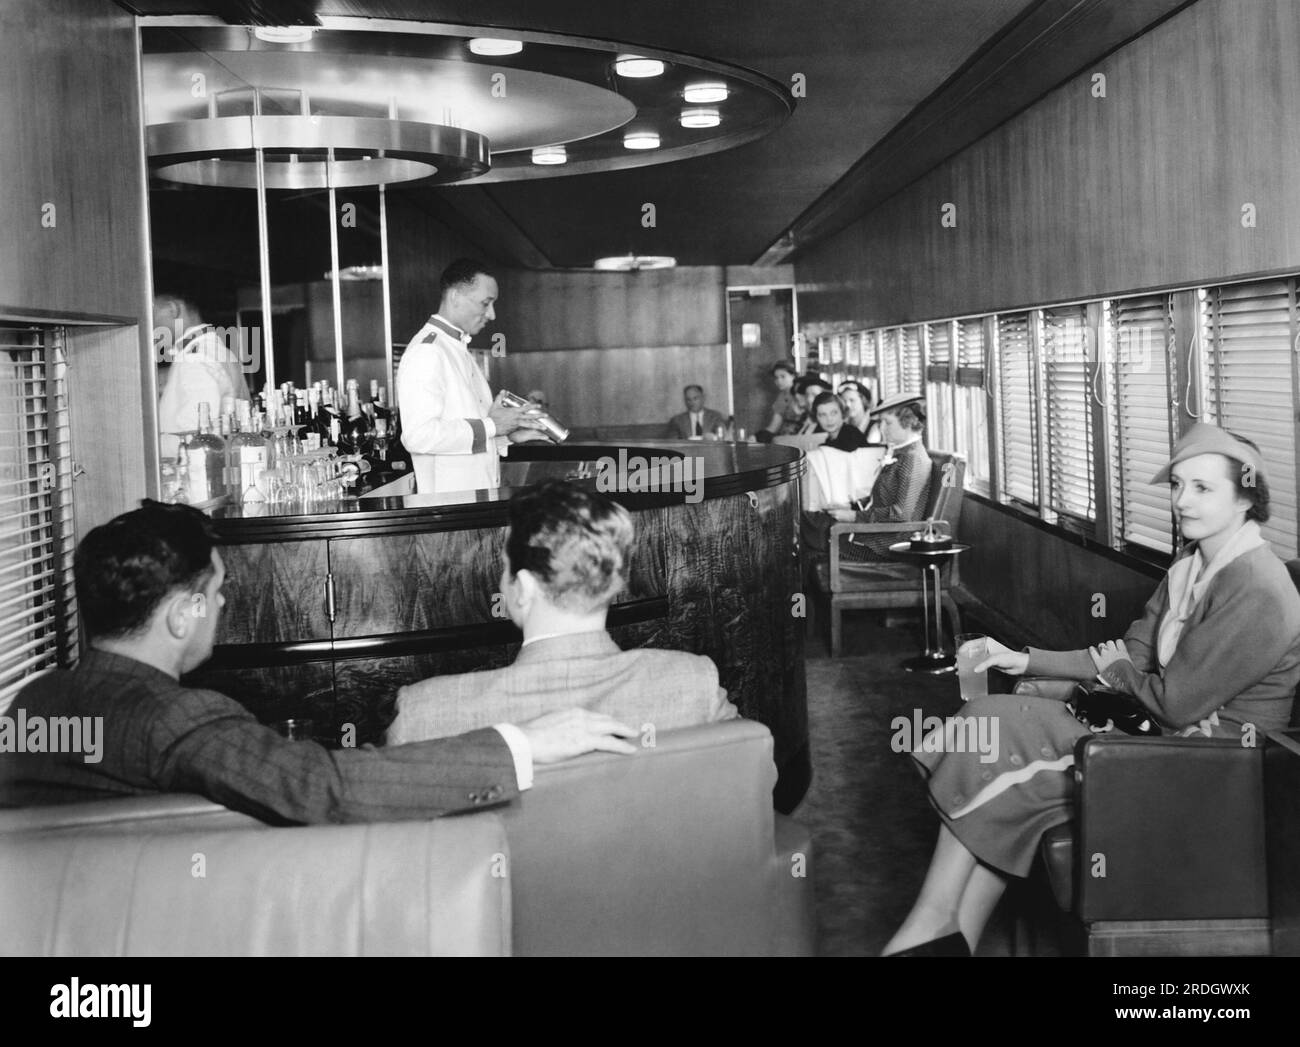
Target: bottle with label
x=246, y=456
x=205, y=461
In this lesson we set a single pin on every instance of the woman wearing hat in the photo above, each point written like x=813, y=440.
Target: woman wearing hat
x=899, y=493
x=1217, y=649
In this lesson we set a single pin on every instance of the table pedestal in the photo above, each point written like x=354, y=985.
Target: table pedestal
x=932, y=659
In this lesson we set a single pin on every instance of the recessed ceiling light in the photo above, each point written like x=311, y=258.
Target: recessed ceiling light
x=550, y=154
x=636, y=66
x=706, y=93
x=284, y=34
x=641, y=140
x=491, y=45
x=630, y=262
x=704, y=116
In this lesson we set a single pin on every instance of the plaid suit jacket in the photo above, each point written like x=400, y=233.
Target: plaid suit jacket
x=158, y=736
x=666, y=689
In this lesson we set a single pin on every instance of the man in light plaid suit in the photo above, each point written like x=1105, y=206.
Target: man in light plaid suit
x=567, y=557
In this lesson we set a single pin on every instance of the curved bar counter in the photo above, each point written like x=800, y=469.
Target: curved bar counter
x=329, y=612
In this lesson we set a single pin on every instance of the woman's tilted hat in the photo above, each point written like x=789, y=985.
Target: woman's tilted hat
x=913, y=400
x=1204, y=438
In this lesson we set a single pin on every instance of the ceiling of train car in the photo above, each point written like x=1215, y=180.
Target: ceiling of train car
x=864, y=66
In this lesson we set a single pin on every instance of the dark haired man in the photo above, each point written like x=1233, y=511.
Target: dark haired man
x=567, y=557
x=452, y=427
x=697, y=421
x=149, y=590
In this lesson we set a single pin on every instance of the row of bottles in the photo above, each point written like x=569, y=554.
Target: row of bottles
x=287, y=427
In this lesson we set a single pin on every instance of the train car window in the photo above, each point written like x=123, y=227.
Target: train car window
x=1142, y=423
x=939, y=386
x=1250, y=339
x=1017, y=415
x=1067, y=403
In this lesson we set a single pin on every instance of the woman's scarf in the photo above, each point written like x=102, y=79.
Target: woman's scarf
x=1189, y=577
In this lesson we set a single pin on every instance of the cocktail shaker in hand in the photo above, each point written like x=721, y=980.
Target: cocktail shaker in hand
x=549, y=425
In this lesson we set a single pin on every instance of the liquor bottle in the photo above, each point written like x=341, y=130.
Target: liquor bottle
x=355, y=434
x=301, y=416
x=205, y=461
x=246, y=455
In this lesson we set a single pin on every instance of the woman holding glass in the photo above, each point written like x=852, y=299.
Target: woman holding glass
x=1217, y=648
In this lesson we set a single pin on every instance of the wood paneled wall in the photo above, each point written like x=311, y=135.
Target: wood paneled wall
x=543, y=310
x=1064, y=595
x=70, y=128
x=641, y=385
x=614, y=348
x=1082, y=196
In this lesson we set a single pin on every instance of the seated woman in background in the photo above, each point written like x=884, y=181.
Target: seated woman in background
x=787, y=416
x=829, y=413
x=901, y=491
x=1217, y=648
x=806, y=391
x=857, y=400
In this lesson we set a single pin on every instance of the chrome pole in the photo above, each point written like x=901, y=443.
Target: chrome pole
x=334, y=268
x=388, y=295
x=264, y=256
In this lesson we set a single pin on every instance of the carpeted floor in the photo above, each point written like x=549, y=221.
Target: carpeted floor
x=873, y=828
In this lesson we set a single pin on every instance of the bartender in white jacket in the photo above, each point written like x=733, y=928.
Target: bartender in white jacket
x=452, y=427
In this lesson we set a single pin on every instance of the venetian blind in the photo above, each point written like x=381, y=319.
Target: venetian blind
x=1018, y=433
x=1140, y=405
x=913, y=378
x=1067, y=374
x=970, y=352
x=37, y=601
x=938, y=373
x=1251, y=388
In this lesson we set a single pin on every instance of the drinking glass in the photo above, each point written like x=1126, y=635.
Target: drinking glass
x=972, y=648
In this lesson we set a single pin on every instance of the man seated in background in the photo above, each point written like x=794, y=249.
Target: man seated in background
x=149, y=591
x=567, y=556
x=697, y=421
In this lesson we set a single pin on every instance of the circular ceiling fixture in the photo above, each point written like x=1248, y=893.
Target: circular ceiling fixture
x=701, y=116
x=641, y=140
x=706, y=93
x=284, y=34
x=495, y=46
x=624, y=263
x=550, y=154
x=638, y=68
x=372, y=101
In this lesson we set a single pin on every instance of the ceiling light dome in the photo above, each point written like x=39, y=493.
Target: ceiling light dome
x=624, y=263
x=495, y=46
x=641, y=140
x=284, y=34
x=550, y=154
x=706, y=93
x=637, y=67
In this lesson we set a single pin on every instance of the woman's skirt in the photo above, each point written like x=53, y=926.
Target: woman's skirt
x=1001, y=773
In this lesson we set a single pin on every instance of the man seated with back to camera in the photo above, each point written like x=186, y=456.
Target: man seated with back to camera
x=149, y=591
x=568, y=552
x=900, y=492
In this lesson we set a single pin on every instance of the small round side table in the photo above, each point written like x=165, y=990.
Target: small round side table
x=932, y=658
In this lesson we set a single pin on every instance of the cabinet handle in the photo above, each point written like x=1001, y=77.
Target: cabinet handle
x=329, y=596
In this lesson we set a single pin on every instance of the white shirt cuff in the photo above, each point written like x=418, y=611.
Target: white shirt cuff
x=521, y=750
x=489, y=428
